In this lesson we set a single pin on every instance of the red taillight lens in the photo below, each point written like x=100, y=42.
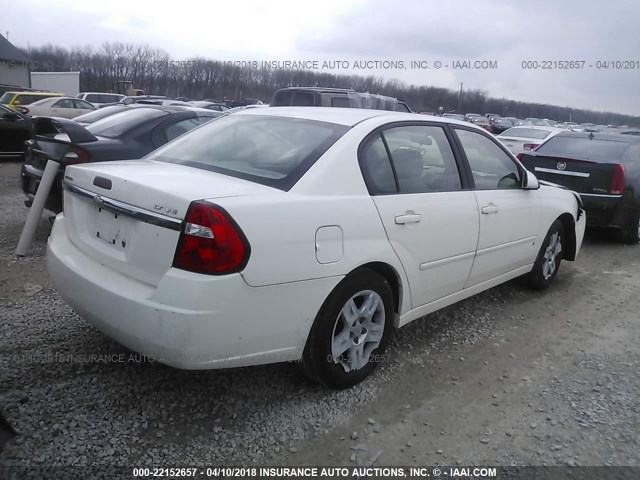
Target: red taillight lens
x=617, y=182
x=23, y=110
x=519, y=156
x=211, y=241
x=75, y=155
x=530, y=146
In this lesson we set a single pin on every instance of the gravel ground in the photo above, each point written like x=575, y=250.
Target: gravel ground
x=509, y=377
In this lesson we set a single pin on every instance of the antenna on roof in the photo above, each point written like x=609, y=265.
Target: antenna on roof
x=591, y=135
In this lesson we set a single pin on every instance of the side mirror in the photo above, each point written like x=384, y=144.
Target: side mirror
x=530, y=181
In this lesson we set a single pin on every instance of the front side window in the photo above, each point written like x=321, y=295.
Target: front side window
x=492, y=167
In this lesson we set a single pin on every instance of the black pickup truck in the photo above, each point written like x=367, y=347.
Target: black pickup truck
x=603, y=168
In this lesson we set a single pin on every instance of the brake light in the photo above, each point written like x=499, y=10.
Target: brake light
x=530, y=146
x=75, y=155
x=617, y=182
x=23, y=110
x=211, y=242
x=519, y=156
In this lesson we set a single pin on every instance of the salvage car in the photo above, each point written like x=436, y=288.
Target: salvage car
x=286, y=234
x=130, y=134
x=15, y=129
x=63, y=107
x=604, y=168
x=523, y=139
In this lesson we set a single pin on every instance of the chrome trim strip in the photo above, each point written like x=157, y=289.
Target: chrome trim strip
x=515, y=243
x=127, y=209
x=562, y=172
x=445, y=261
x=599, y=195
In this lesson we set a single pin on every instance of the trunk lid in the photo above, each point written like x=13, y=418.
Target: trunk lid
x=128, y=215
x=582, y=176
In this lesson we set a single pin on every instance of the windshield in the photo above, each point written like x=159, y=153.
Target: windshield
x=525, y=133
x=273, y=151
x=115, y=125
x=584, y=148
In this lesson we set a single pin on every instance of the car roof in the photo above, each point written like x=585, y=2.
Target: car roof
x=39, y=93
x=101, y=93
x=343, y=116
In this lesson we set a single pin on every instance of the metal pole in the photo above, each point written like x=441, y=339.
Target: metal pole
x=35, y=212
x=460, y=99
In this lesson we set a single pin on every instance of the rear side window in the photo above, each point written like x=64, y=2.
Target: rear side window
x=376, y=167
x=269, y=150
x=492, y=168
x=341, y=102
x=6, y=97
x=422, y=161
x=64, y=103
x=282, y=99
x=584, y=148
x=303, y=99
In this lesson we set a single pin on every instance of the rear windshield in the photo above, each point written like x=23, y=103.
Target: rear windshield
x=525, y=133
x=273, y=151
x=115, y=125
x=584, y=148
x=99, y=114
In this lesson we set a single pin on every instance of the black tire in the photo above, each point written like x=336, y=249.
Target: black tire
x=631, y=231
x=539, y=277
x=318, y=361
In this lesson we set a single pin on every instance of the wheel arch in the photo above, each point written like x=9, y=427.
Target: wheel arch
x=569, y=227
x=391, y=275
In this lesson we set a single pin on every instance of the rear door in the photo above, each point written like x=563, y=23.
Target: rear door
x=508, y=237
x=430, y=220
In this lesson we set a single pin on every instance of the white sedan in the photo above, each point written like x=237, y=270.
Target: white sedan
x=64, y=107
x=526, y=138
x=288, y=233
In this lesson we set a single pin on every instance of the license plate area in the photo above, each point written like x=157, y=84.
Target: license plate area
x=110, y=228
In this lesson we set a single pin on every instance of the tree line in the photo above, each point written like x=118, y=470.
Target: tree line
x=154, y=71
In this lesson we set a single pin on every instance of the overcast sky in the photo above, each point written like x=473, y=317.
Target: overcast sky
x=505, y=31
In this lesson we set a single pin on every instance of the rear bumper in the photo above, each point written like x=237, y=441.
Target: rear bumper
x=188, y=320
x=611, y=211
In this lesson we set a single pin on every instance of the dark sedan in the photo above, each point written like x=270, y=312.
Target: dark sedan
x=603, y=168
x=15, y=129
x=130, y=134
x=499, y=124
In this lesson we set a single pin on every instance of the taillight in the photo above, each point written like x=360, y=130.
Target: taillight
x=519, y=156
x=23, y=110
x=75, y=155
x=530, y=146
x=211, y=242
x=617, y=182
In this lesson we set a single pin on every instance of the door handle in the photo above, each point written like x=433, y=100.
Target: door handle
x=489, y=209
x=409, y=218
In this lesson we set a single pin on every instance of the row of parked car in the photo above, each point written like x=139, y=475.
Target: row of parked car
x=299, y=233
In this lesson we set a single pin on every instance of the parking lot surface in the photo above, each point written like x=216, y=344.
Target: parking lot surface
x=510, y=376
